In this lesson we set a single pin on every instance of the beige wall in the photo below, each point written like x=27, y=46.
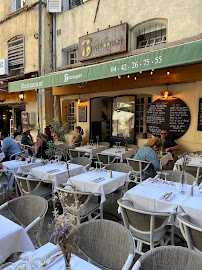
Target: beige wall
x=184, y=18
x=188, y=92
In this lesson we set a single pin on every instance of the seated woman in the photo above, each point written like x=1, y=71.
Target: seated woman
x=47, y=133
x=41, y=146
x=77, y=139
x=148, y=152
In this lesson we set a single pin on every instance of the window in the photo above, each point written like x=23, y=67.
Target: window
x=75, y=3
x=148, y=34
x=70, y=116
x=70, y=55
x=16, y=55
x=142, y=104
x=16, y=4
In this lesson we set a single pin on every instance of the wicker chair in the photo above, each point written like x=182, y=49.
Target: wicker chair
x=69, y=195
x=146, y=227
x=191, y=232
x=29, y=211
x=18, y=154
x=175, y=177
x=32, y=186
x=106, y=243
x=105, y=144
x=138, y=168
x=75, y=153
x=167, y=258
x=133, y=146
x=84, y=161
x=107, y=159
x=27, y=149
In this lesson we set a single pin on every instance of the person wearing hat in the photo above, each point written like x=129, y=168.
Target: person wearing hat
x=9, y=146
x=26, y=137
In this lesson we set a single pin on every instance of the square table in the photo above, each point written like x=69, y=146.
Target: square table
x=147, y=196
x=120, y=152
x=76, y=263
x=86, y=182
x=22, y=166
x=13, y=238
x=93, y=150
x=56, y=173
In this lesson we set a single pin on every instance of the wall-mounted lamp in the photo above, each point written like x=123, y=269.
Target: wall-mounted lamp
x=21, y=96
x=166, y=93
x=79, y=100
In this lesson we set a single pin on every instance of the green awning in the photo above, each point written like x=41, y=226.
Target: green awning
x=174, y=56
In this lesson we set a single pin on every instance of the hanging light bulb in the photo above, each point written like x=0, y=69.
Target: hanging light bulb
x=128, y=76
x=119, y=77
x=168, y=72
x=140, y=72
x=151, y=72
x=135, y=78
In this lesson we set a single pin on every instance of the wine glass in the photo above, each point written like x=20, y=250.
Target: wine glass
x=96, y=162
x=116, y=144
x=26, y=257
x=36, y=263
x=165, y=174
x=158, y=180
x=101, y=166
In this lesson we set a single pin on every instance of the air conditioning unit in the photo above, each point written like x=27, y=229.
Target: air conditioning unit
x=3, y=66
x=54, y=6
x=32, y=118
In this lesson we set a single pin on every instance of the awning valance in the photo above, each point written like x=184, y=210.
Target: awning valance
x=174, y=56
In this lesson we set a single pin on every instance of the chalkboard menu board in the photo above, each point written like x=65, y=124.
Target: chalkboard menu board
x=82, y=113
x=170, y=114
x=200, y=115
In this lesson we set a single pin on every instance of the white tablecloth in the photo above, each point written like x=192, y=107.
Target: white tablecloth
x=92, y=150
x=165, y=158
x=120, y=152
x=84, y=182
x=2, y=156
x=21, y=166
x=13, y=238
x=147, y=196
x=60, y=175
x=59, y=263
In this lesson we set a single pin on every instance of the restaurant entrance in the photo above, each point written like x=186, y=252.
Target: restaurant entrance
x=113, y=118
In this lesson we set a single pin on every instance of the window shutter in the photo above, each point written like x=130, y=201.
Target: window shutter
x=12, y=6
x=54, y=6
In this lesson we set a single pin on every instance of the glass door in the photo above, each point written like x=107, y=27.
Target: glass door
x=123, y=119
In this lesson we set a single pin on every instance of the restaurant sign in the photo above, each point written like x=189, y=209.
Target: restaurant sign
x=109, y=41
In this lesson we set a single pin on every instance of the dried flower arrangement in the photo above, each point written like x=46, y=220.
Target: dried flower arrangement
x=185, y=158
x=64, y=226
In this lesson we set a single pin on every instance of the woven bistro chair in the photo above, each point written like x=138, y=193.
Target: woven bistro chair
x=133, y=146
x=29, y=211
x=107, y=159
x=70, y=196
x=75, y=153
x=84, y=161
x=107, y=144
x=138, y=169
x=175, y=176
x=107, y=243
x=28, y=185
x=192, y=233
x=146, y=227
x=170, y=257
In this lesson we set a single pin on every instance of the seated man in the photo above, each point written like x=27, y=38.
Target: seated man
x=169, y=144
x=26, y=137
x=9, y=146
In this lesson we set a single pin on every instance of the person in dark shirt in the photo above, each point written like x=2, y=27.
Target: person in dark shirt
x=169, y=144
x=47, y=133
x=41, y=146
x=26, y=137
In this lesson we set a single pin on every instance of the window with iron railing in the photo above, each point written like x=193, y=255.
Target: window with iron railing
x=75, y=3
x=149, y=34
x=16, y=55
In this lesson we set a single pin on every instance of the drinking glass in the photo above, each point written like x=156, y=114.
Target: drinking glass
x=26, y=257
x=165, y=174
x=183, y=183
x=7, y=266
x=96, y=162
x=36, y=263
x=101, y=166
x=116, y=144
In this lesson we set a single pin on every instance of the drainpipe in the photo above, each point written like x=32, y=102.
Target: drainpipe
x=54, y=41
x=39, y=62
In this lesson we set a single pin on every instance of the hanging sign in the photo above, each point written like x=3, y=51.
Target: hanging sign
x=170, y=114
x=24, y=120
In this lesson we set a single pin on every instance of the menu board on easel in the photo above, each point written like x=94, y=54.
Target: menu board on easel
x=24, y=120
x=199, y=127
x=171, y=114
x=82, y=113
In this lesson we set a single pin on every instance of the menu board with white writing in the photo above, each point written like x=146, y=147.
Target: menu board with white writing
x=171, y=114
x=200, y=115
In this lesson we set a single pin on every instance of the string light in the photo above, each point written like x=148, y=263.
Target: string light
x=128, y=76
x=140, y=72
x=168, y=72
x=135, y=78
x=152, y=72
x=119, y=77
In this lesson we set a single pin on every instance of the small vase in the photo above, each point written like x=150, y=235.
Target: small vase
x=66, y=255
x=183, y=183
